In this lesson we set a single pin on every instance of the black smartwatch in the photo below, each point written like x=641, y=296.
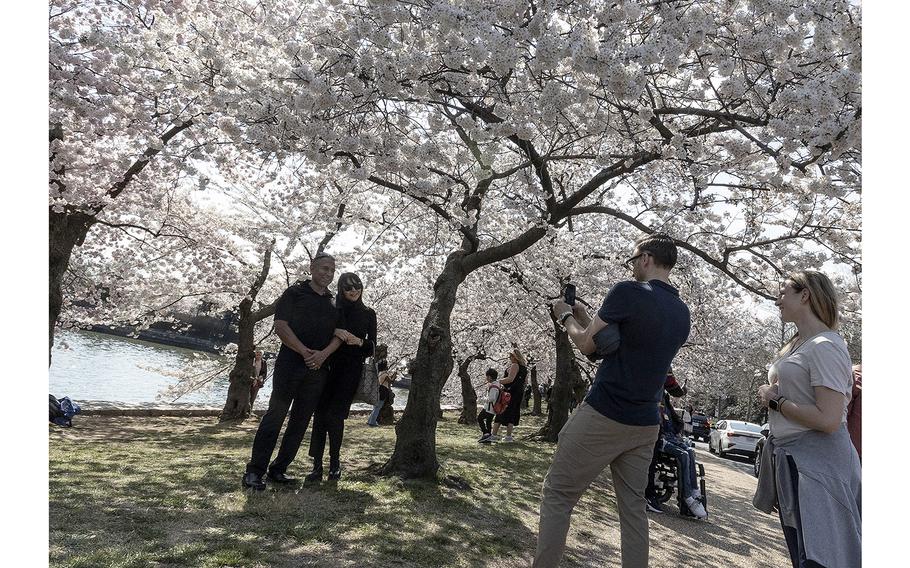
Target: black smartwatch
x=776, y=403
x=563, y=318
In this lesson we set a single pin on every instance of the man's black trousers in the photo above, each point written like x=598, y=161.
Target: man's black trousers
x=300, y=393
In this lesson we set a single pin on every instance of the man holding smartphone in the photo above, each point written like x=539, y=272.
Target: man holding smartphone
x=618, y=422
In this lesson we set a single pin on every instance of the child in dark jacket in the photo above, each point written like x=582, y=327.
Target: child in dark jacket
x=485, y=418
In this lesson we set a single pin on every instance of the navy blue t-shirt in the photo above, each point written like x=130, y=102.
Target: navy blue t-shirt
x=653, y=324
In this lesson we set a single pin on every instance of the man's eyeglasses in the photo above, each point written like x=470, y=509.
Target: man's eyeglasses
x=628, y=264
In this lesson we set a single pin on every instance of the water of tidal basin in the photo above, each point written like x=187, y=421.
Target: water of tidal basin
x=100, y=367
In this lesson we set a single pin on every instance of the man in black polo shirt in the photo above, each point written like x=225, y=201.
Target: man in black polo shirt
x=305, y=321
x=618, y=422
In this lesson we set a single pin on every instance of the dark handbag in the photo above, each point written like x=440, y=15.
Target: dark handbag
x=368, y=389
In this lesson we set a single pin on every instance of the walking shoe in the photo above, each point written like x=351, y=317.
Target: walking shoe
x=335, y=474
x=484, y=438
x=281, y=478
x=374, y=424
x=314, y=476
x=252, y=480
x=696, y=508
x=507, y=439
x=654, y=506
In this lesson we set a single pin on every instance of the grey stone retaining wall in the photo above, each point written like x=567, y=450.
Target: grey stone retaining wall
x=104, y=408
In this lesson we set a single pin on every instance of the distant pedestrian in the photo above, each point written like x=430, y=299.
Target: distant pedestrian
x=260, y=373
x=855, y=411
x=486, y=415
x=514, y=383
x=687, y=421
x=386, y=378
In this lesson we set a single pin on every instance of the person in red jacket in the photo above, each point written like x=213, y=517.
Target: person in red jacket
x=855, y=411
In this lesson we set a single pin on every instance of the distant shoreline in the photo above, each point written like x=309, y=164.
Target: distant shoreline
x=161, y=337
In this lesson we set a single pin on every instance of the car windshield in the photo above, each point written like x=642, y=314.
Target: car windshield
x=747, y=426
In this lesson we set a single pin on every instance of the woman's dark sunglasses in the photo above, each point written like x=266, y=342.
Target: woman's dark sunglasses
x=351, y=287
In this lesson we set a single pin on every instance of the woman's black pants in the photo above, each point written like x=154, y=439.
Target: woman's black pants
x=333, y=409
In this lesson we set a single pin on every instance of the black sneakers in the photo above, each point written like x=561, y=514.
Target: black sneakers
x=335, y=474
x=281, y=478
x=654, y=506
x=314, y=476
x=252, y=480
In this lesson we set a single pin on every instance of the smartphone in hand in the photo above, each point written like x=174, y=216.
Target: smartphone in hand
x=569, y=294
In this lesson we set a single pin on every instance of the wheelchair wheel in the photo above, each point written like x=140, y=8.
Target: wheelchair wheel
x=664, y=479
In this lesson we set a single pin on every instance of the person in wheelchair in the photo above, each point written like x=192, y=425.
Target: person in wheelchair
x=672, y=447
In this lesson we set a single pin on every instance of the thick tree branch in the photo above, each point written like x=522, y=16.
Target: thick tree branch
x=142, y=162
x=720, y=265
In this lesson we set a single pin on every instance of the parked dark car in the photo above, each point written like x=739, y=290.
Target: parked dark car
x=701, y=427
x=758, y=448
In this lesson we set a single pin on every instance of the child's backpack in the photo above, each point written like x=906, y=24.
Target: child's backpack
x=505, y=397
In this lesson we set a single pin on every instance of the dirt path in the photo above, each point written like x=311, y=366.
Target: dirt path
x=734, y=535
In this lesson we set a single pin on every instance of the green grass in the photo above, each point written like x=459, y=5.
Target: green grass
x=166, y=492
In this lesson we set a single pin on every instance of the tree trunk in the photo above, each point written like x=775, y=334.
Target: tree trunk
x=415, y=444
x=535, y=392
x=468, y=394
x=580, y=386
x=67, y=231
x=567, y=375
x=238, y=405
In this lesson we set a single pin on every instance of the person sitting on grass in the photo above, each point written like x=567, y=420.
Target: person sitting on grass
x=485, y=418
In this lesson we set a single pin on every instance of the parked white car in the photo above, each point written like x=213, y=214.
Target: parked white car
x=734, y=437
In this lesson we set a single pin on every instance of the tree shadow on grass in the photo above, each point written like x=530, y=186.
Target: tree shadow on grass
x=169, y=494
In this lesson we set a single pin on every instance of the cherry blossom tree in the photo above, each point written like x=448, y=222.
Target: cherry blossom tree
x=149, y=96
x=733, y=126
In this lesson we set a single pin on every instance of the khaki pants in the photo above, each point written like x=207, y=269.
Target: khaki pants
x=588, y=443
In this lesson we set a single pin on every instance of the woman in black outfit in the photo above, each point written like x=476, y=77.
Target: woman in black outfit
x=359, y=337
x=514, y=383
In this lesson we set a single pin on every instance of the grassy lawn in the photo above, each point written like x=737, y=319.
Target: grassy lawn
x=166, y=492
